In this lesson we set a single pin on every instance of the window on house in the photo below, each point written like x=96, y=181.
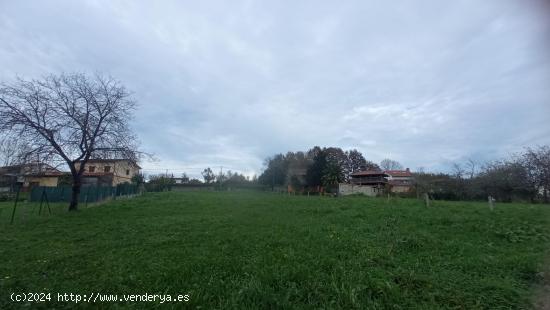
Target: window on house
x=127, y=172
x=107, y=169
x=91, y=168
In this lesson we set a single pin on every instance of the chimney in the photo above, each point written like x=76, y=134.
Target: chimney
x=408, y=170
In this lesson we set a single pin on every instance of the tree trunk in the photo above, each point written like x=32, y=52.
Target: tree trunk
x=73, y=206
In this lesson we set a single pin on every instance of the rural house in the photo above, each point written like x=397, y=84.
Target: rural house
x=182, y=180
x=374, y=182
x=401, y=181
x=109, y=172
x=28, y=175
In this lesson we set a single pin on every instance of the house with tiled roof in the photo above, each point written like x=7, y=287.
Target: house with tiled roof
x=108, y=172
x=400, y=181
x=374, y=182
x=29, y=175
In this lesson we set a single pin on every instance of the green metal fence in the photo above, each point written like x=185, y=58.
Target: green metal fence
x=87, y=193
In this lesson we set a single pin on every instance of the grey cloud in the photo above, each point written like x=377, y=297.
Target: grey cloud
x=230, y=83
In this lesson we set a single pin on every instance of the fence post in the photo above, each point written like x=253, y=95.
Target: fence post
x=41, y=201
x=48, y=204
x=15, y=204
x=86, y=198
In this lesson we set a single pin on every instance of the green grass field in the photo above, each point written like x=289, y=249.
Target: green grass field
x=247, y=250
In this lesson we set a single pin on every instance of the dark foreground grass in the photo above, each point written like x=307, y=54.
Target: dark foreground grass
x=241, y=250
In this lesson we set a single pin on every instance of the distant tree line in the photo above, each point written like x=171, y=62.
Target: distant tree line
x=228, y=178
x=222, y=179
x=522, y=177
x=313, y=169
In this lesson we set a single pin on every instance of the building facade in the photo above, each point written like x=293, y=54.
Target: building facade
x=28, y=175
x=400, y=181
x=108, y=172
x=375, y=182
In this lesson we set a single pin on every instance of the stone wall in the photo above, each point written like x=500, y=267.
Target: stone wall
x=350, y=189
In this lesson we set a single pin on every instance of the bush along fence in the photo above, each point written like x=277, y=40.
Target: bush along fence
x=88, y=194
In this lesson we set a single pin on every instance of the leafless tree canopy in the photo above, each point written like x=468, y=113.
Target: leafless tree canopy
x=69, y=118
x=13, y=151
x=537, y=164
x=458, y=171
x=470, y=167
x=389, y=164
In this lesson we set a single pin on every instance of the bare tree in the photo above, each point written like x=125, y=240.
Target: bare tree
x=537, y=163
x=458, y=171
x=69, y=118
x=471, y=166
x=12, y=151
x=505, y=180
x=389, y=164
x=459, y=182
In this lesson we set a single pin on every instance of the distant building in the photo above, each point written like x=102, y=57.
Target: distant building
x=28, y=175
x=374, y=182
x=372, y=178
x=108, y=172
x=182, y=180
x=401, y=181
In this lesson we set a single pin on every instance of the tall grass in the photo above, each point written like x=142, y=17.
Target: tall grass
x=247, y=250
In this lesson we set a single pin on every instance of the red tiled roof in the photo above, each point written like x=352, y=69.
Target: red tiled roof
x=368, y=172
x=399, y=173
x=393, y=173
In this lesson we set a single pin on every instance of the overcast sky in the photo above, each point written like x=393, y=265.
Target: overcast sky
x=230, y=83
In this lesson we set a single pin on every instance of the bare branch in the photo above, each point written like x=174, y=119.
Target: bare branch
x=69, y=117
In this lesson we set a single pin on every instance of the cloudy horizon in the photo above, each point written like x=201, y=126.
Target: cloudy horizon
x=227, y=84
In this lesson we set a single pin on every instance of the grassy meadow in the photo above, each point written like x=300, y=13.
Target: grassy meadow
x=252, y=250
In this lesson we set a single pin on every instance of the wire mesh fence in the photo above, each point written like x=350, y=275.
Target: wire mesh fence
x=88, y=194
x=28, y=212
x=46, y=201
